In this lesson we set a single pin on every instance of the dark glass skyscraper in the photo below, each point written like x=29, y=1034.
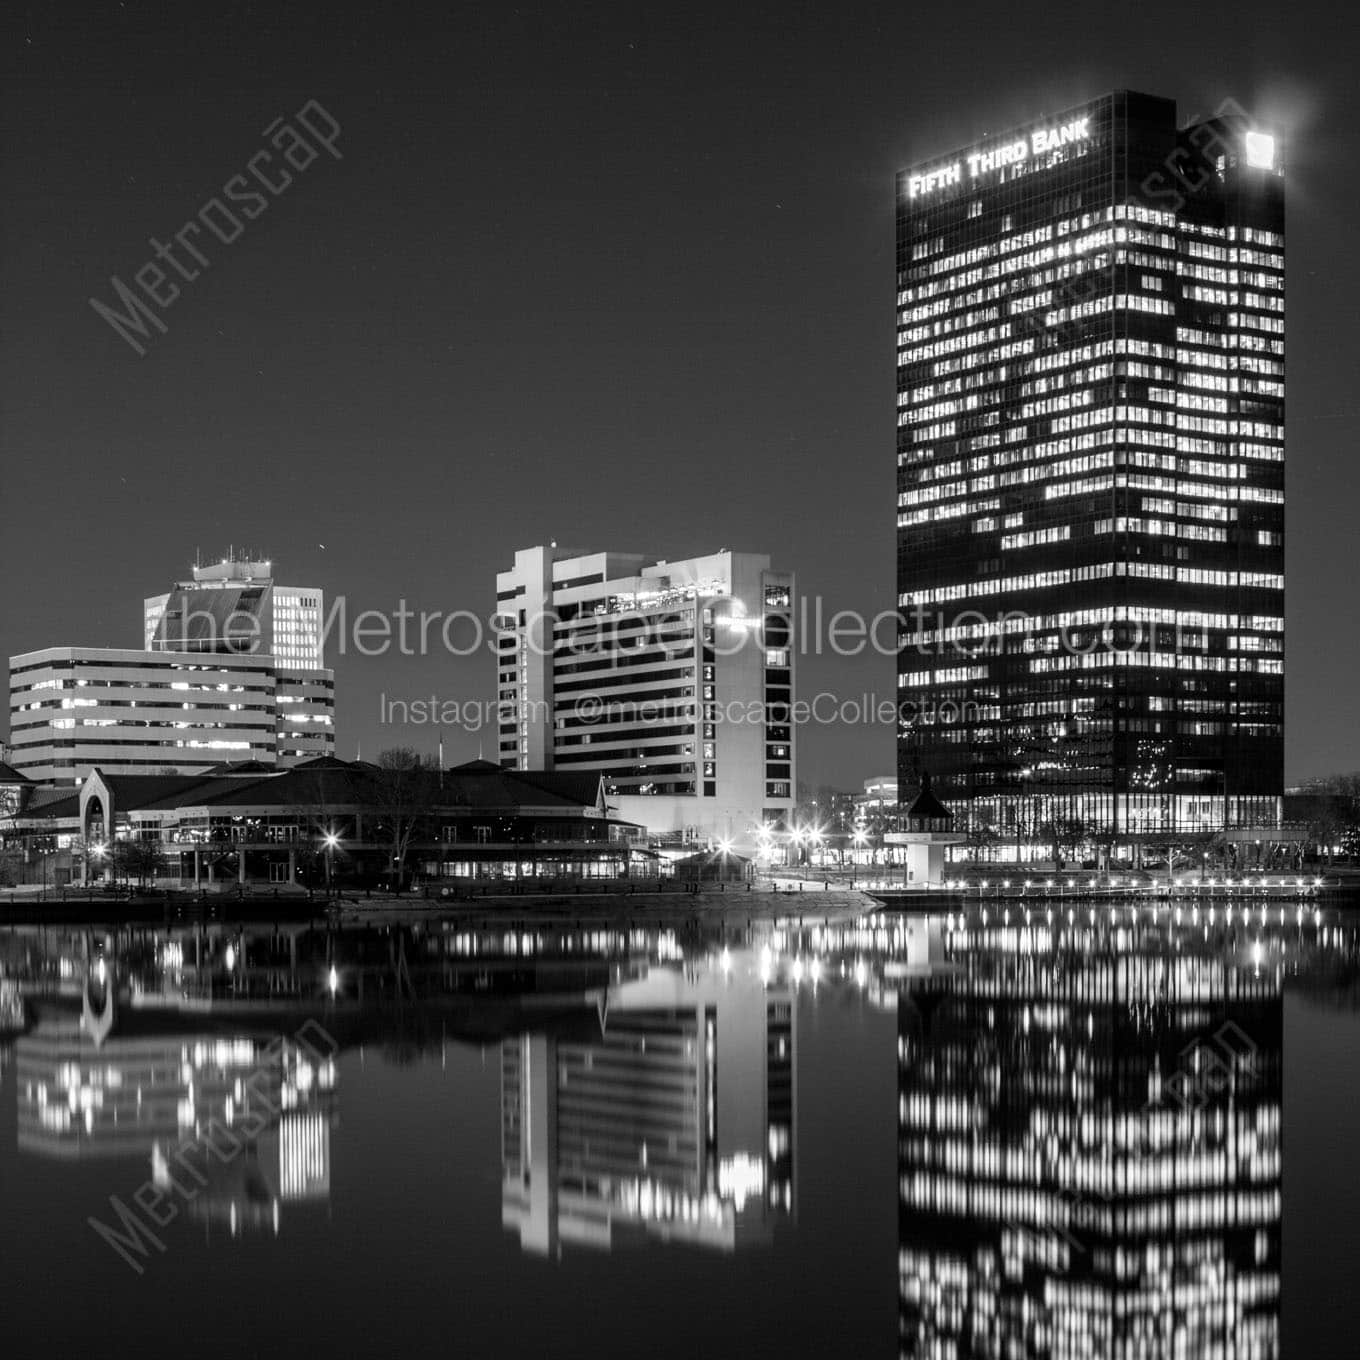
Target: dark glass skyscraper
x=1090, y=455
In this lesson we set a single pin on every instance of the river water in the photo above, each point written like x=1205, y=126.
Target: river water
x=1054, y=1131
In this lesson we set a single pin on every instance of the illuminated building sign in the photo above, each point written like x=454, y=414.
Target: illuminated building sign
x=1040, y=142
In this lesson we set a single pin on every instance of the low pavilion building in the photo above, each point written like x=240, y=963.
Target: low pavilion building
x=347, y=823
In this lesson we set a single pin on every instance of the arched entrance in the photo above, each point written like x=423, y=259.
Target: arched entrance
x=96, y=829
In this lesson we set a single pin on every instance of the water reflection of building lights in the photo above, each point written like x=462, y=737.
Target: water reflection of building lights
x=691, y=1167
x=741, y=1177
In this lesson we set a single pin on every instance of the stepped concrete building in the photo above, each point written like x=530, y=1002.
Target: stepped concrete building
x=674, y=679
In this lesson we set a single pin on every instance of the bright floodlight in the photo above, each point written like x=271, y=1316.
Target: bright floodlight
x=332, y=840
x=725, y=847
x=1260, y=150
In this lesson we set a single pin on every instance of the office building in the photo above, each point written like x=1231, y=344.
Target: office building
x=231, y=668
x=236, y=605
x=137, y=712
x=674, y=679
x=1090, y=453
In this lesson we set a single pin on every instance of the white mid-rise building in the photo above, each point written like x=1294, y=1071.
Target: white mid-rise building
x=138, y=712
x=674, y=679
x=236, y=606
x=231, y=668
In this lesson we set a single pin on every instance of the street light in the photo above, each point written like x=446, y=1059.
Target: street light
x=331, y=841
x=99, y=850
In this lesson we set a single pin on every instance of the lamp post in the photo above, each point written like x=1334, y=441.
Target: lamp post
x=331, y=841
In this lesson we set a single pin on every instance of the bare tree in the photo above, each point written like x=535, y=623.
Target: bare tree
x=325, y=791
x=1063, y=834
x=139, y=860
x=405, y=791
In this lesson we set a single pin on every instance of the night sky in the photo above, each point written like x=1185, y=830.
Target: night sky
x=619, y=277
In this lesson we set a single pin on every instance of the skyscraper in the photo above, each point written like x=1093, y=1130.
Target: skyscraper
x=1090, y=455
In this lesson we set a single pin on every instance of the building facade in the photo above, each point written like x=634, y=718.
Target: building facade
x=1090, y=454
x=236, y=605
x=137, y=712
x=674, y=679
x=326, y=822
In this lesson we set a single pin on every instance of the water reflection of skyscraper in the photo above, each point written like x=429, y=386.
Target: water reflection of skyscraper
x=673, y=1122
x=1090, y=1148
x=155, y=1095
